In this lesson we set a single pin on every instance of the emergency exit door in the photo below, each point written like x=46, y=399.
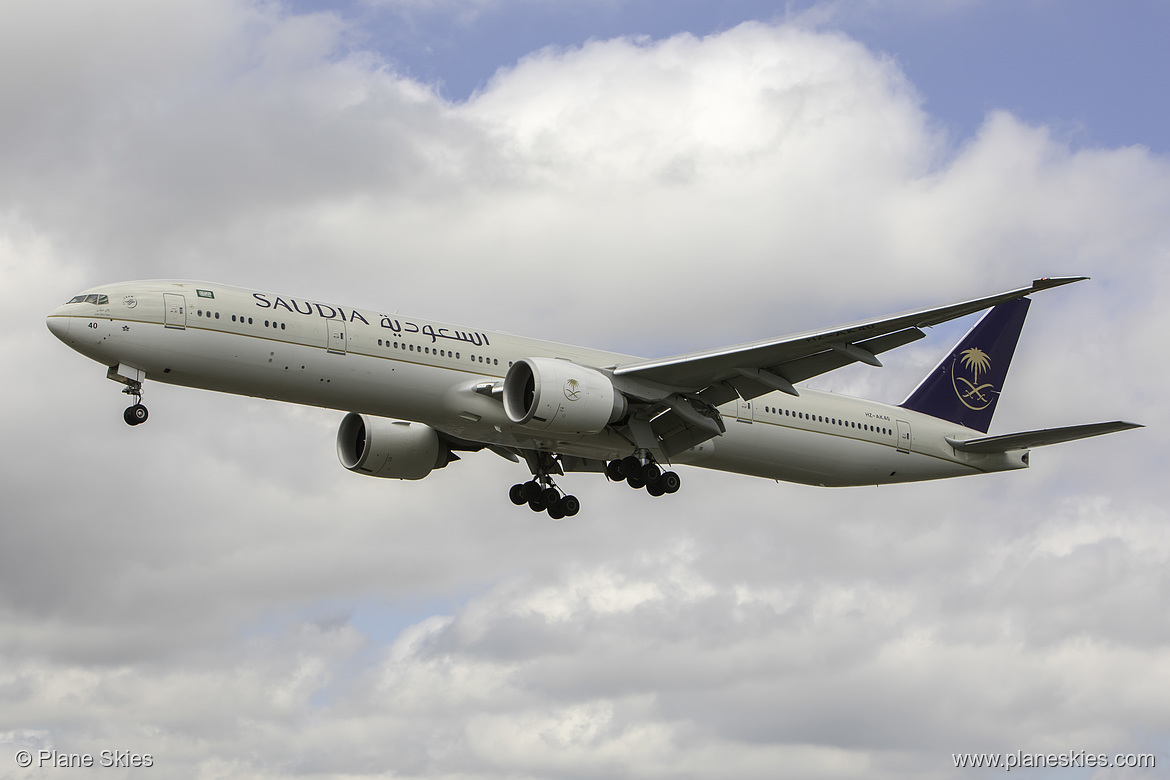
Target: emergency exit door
x=336, y=342
x=904, y=437
x=175, y=306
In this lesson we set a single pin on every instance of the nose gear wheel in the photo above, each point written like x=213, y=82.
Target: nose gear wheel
x=135, y=414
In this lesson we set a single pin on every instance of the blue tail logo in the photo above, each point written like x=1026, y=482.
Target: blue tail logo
x=965, y=386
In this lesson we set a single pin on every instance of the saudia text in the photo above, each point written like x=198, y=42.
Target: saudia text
x=353, y=315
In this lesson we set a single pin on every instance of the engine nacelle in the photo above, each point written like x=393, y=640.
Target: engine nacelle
x=378, y=447
x=560, y=397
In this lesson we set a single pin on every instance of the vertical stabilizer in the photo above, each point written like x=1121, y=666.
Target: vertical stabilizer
x=965, y=386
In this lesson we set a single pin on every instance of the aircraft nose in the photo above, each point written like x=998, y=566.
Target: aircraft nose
x=58, y=325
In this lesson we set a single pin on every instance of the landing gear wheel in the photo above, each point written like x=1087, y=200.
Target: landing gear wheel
x=541, y=492
x=135, y=415
x=516, y=493
x=669, y=482
x=613, y=470
x=530, y=490
x=635, y=483
x=631, y=467
x=650, y=473
x=654, y=489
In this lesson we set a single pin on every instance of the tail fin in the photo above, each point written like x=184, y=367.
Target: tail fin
x=965, y=386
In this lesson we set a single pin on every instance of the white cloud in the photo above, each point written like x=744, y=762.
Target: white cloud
x=190, y=588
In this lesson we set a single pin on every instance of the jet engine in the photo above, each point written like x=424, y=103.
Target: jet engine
x=394, y=449
x=559, y=396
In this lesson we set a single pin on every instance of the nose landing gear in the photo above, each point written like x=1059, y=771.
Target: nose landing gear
x=133, y=378
x=136, y=414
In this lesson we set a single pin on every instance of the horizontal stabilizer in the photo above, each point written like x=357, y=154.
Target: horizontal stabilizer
x=1028, y=439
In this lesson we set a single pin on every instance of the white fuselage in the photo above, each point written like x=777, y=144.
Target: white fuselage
x=300, y=351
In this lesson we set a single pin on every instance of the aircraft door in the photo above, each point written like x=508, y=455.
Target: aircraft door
x=744, y=411
x=904, y=437
x=175, y=307
x=336, y=341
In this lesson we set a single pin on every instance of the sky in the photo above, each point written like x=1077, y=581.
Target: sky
x=213, y=589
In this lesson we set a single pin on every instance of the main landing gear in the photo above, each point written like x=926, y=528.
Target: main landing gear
x=643, y=472
x=136, y=414
x=542, y=494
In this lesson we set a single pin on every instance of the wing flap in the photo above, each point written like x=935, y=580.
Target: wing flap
x=1039, y=438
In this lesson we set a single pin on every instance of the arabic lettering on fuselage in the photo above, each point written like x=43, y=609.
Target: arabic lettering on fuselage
x=353, y=315
x=471, y=337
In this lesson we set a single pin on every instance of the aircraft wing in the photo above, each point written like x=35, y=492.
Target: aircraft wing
x=1029, y=439
x=759, y=367
x=683, y=391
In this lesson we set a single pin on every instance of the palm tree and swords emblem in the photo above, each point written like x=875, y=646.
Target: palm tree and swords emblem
x=572, y=389
x=974, y=395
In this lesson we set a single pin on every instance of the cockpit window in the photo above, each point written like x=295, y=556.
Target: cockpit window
x=100, y=300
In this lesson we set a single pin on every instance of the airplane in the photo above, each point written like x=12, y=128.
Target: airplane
x=415, y=392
